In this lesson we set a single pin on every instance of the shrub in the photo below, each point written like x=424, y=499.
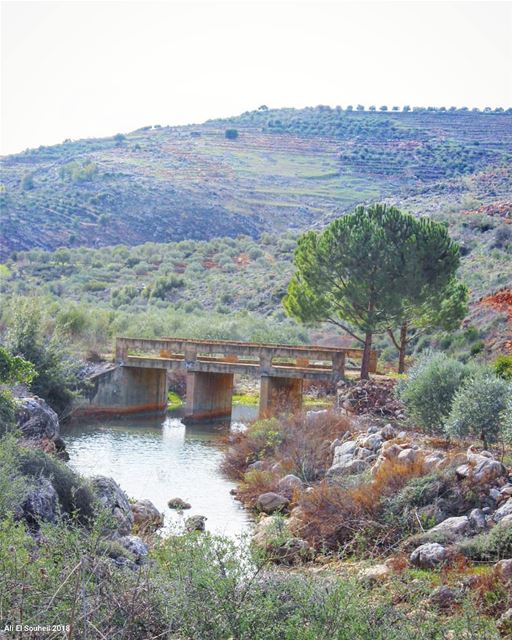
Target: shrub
x=75, y=497
x=478, y=408
x=492, y=546
x=429, y=389
x=231, y=134
x=503, y=367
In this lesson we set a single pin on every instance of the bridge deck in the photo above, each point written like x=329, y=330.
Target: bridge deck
x=223, y=356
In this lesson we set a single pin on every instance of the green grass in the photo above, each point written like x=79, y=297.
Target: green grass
x=174, y=400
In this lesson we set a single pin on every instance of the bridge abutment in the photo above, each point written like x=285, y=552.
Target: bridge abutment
x=278, y=395
x=209, y=395
x=126, y=390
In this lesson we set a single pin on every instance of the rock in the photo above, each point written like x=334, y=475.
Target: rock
x=115, y=500
x=372, y=429
x=292, y=551
x=494, y=494
x=504, y=510
x=40, y=504
x=36, y=419
x=178, y=503
x=335, y=443
x=40, y=424
x=268, y=528
x=373, y=442
x=387, y=432
x=451, y=527
x=429, y=555
x=443, y=597
x=289, y=484
x=391, y=451
x=146, y=516
x=346, y=449
x=134, y=545
x=362, y=453
x=503, y=569
x=432, y=461
x=481, y=469
x=477, y=520
x=271, y=502
x=377, y=573
x=504, y=624
x=348, y=467
x=506, y=490
x=259, y=465
x=196, y=523
x=506, y=521
x=408, y=456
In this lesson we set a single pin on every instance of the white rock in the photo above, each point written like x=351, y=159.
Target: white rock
x=504, y=511
x=456, y=526
x=428, y=556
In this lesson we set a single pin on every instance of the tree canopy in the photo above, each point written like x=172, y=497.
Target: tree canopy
x=374, y=270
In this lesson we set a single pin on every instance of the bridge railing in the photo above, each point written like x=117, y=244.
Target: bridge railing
x=190, y=350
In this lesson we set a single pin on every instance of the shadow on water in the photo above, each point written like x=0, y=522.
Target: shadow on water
x=161, y=458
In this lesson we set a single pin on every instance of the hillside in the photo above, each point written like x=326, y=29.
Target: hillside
x=286, y=169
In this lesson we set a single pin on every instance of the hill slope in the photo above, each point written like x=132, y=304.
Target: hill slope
x=287, y=169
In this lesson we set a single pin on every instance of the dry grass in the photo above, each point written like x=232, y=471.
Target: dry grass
x=335, y=517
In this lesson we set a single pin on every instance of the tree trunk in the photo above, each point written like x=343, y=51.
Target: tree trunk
x=402, y=348
x=365, y=364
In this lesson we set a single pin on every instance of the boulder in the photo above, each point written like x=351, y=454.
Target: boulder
x=346, y=449
x=134, y=545
x=41, y=502
x=408, y=456
x=443, y=597
x=289, y=484
x=451, y=527
x=373, y=442
x=481, y=469
x=179, y=504
x=377, y=573
x=267, y=529
x=503, y=569
x=477, y=520
x=428, y=556
x=271, y=502
x=259, y=465
x=146, y=516
x=388, y=432
x=114, y=499
x=40, y=424
x=391, y=451
x=196, y=523
x=362, y=453
x=504, y=511
x=292, y=551
x=504, y=624
x=348, y=467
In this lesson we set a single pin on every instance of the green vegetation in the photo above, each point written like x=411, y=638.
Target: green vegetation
x=503, y=367
x=374, y=269
x=13, y=370
x=445, y=396
x=57, y=373
x=174, y=400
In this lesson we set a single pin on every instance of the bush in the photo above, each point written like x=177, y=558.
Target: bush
x=75, y=497
x=503, y=367
x=57, y=374
x=492, y=546
x=478, y=408
x=429, y=389
x=231, y=134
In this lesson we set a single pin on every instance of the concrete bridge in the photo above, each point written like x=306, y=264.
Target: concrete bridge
x=137, y=383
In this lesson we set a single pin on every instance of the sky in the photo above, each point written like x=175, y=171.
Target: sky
x=91, y=69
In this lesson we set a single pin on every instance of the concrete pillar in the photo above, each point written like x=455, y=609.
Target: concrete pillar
x=124, y=391
x=280, y=395
x=338, y=365
x=209, y=396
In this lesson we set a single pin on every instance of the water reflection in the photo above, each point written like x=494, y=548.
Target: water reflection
x=162, y=459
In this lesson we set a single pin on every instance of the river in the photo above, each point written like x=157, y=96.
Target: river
x=160, y=459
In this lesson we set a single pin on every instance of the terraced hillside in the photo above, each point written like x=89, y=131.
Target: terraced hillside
x=286, y=169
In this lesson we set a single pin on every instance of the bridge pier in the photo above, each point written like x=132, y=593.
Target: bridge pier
x=278, y=395
x=209, y=395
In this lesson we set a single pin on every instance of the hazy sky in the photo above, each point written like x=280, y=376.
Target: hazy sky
x=79, y=69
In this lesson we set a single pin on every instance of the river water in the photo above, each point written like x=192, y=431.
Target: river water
x=160, y=459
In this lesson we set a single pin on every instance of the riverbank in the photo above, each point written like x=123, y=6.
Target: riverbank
x=391, y=507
